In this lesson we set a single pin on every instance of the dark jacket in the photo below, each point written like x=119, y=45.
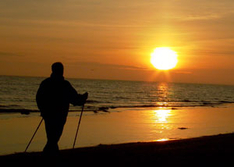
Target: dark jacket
x=54, y=96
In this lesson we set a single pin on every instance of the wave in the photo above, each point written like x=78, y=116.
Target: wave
x=92, y=101
x=106, y=108
x=22, y=111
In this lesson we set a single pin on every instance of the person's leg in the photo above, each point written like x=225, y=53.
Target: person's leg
x=50, y=146
x=54, y=128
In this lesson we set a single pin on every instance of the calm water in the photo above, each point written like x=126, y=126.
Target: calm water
x=19, y=93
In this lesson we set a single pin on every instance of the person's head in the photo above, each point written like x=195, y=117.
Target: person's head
x=57, y=69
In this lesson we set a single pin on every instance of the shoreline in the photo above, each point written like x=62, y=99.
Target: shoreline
x=206, y=150
x=201, y=104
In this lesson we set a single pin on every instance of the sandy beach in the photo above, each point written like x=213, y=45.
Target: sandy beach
x=203, y=151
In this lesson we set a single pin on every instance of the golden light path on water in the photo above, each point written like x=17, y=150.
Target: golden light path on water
x=160, y=117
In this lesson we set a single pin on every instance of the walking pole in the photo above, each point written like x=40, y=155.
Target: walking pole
x=78, y=126
x=33, y=135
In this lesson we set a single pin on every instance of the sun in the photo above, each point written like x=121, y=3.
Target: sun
x=164, y=58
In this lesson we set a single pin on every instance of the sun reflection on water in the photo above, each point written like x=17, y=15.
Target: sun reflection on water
x=161, y=123
x=162, y=140
x=161, y=116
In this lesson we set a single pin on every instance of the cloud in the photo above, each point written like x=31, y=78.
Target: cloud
x=127, y=67
x=181, y=72
x=7, y=54
x=96, y=65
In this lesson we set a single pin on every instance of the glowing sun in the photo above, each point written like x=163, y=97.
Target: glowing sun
x=164, y=58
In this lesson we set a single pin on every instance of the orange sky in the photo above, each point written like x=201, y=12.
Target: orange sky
x=110, y=39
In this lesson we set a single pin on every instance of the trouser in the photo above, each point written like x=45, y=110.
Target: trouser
x=54, y=128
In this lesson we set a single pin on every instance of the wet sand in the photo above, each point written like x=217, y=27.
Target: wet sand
x=203, y=151
x=118, y=126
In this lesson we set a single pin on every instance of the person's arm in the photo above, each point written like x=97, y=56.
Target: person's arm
x=75, y=98
x=79, y=99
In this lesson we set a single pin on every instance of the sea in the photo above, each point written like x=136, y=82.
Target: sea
x=117, y=112
x=18, y=94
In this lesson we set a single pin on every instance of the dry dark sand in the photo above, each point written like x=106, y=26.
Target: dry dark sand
x=210, y=150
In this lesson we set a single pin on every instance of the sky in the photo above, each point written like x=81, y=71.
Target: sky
x=109, y=39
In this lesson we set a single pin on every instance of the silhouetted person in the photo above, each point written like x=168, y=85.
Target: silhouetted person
x=53, y=98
